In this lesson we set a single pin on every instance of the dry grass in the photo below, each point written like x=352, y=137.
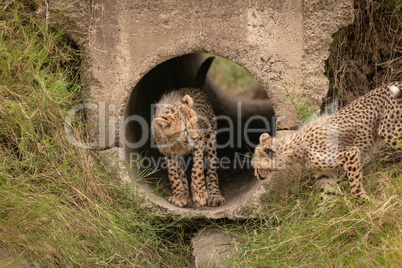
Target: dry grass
x=343, y=233
x=61, y=205
x=64, y=206
x=368, y=53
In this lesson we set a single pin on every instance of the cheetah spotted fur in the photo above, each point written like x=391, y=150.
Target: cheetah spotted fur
x=184, y=123
x=337, y=142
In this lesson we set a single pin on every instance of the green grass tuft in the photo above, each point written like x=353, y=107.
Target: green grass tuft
x=305, y=109
x=61, y=205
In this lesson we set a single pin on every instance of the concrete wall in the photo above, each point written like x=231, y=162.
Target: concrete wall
x=283, y=43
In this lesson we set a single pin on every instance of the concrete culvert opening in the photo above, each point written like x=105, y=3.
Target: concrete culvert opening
x=243, y=115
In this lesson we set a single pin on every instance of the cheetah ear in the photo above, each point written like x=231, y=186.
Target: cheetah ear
x=160, y=122
x=258, y=149
x=264, y=137
x=188, y=101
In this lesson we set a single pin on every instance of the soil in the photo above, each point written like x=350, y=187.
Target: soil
x=366, y=54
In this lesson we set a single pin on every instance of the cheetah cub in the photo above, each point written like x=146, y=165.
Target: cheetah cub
x=185, y=123
x=337, y=142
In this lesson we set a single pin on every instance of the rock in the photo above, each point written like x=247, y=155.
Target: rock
x=213, y=247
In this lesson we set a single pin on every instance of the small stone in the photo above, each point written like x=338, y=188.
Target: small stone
x=213, y=248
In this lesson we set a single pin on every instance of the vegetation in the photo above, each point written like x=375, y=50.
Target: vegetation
x=367, y=53
x=343, y=233
x=231, y=77
x=305, y=109
x=294, y=232
x=61, y=205
x=64, y=206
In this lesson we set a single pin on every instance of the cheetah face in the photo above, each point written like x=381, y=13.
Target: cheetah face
x=266, y=158
x=174, y=119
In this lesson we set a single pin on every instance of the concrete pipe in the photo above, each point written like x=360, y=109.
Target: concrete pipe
x=128, y=46
x=240, y=123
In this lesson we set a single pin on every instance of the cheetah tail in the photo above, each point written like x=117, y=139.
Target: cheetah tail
x=396, y=91
x=202, y=73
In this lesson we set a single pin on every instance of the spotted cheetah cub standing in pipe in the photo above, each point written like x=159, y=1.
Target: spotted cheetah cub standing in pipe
x=185, y=123
x=338, y=141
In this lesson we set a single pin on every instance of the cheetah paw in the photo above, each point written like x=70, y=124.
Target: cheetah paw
x=179, y=201
x=216, y=200
x=200, y=199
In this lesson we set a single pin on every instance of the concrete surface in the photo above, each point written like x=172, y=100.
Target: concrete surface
x=282, y=43
x=243, y=193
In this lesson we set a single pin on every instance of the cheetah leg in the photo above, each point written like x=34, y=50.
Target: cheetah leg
x=198, y=187
x=350, y=161
x=214, y=196
x=178, y=182
x=326, y=182
x=182, y=175
x=391, y=137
